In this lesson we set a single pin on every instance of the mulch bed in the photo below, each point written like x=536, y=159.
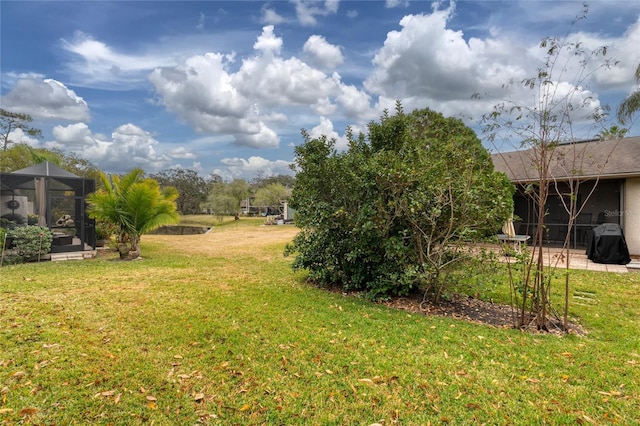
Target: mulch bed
x=467, y=308
x=459, y=307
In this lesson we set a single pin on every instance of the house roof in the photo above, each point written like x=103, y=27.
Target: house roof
x=579, y=160
x=45, y=169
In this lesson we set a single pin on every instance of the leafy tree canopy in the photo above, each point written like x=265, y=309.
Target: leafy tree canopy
x=193, y=189
x=225, y=197
x=390, y=214
x=285, y=180
x=271, y=196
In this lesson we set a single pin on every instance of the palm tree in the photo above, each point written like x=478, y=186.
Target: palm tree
x=631, y=104
x=135, y=206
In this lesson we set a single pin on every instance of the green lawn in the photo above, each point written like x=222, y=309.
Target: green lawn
x=217, y=329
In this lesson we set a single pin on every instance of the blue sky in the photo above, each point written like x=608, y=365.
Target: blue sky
x=225, y=86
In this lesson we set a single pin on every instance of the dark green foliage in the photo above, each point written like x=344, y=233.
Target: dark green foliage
x=27, y=242
x=192, y=188
x=393, y=212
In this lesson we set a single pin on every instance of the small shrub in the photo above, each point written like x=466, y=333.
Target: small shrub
x=9, y=221
x=30, y=241
x=33, y=219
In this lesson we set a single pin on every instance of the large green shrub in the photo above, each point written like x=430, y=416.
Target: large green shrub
x=28, y=242
x=394, y=212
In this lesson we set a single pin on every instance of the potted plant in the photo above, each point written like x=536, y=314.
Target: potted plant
x=104, y=232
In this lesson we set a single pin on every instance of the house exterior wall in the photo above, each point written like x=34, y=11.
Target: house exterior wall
x=631, y=218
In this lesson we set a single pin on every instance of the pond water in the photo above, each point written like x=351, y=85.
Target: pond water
x=181, y=230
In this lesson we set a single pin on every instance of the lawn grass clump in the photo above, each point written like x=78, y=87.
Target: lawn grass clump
x=217, y=329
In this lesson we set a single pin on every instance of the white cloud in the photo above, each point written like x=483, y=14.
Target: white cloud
x=322, y=53
x=73, y=137
x=247, y=168
x=326, y=128
x=352, y=14
x=267, y=42
x=427, y=59
x=263, y=138
x=211, y=99
x=95, y=63
x=201, y=92
x=390, y=4
x=270, y=16
x=45, y=99
x=623, y=49
x=200, y=24
x=324, y=106
x=19, y=136
x=181, y=153
x=356, y=103
x=427, y=64
x=307, y=10
x=128, y=147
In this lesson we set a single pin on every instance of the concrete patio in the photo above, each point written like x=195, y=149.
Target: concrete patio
x=578, y=260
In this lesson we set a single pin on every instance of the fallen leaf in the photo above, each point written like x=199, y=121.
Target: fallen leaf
x=612, y=393
x=117, y=398
x=199, y=397
x=53, y=345
x=28, y=411
x=245, y=407
x=177, y=356
x=369, y=381
x=151, y=398
x=5, y=410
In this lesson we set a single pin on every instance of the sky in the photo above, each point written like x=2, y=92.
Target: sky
x=225, y=87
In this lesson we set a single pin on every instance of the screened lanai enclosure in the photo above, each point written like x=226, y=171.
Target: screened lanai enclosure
x=49, y=196
x=595, y=207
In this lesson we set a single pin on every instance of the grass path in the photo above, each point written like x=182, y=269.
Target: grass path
x=217, y=329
